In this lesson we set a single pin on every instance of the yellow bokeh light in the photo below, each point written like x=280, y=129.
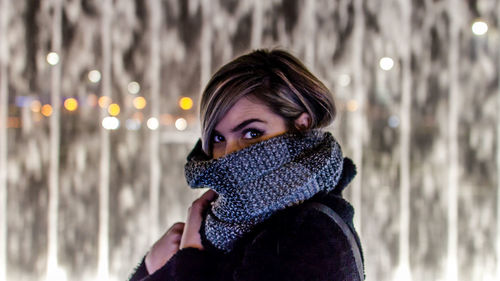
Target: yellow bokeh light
x=71, y=104
x=186, y=103
x=114, y=109
x=139, y=102
x=104, y=101
x=47, y=110
x=36, y=106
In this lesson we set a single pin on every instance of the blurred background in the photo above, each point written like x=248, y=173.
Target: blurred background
x=98, y=110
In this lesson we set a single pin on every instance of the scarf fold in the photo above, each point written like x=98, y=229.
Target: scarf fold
x=255, y=182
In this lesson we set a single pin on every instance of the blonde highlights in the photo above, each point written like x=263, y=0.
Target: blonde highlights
x=275, y=78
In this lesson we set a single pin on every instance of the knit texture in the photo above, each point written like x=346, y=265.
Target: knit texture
x=259, y=180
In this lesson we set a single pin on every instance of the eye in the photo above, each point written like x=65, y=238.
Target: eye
x=252, y=134
x=218, y=138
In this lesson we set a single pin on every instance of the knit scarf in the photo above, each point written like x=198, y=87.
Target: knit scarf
x=255, y=182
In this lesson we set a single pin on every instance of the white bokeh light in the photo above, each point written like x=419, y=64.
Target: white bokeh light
x=94, y=76
x=133, y=87
x=153, y=123
x=181, y=124
x=386, y=63
x=110, y=123
x=479, y=27
x=52, y=58
x=344, y=80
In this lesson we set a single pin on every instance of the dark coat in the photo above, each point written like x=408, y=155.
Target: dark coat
x=297, y=243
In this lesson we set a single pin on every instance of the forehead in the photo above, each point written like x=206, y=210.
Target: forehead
x=245, y=108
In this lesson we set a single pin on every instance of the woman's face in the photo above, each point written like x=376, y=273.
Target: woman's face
x=246, y=123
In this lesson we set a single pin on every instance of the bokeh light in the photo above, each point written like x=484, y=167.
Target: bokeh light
x=94, y=76
x=167, y=119
x=393, y=121
x=114, y=109
x=104, y=101
x=139, y=116
x=46, y=110
x=139, y=102
x=153, y=123
x=71, y=104
x=352, y=105
x=386, y=63
x=13, y=122
x=36, y=106
x=344, y=80
x=133, y=124
x=479, y=27
x=133, y=87
x=52, y=58
x=92, y=100
x=186, y=103
x=110, y=123
x=181, y=124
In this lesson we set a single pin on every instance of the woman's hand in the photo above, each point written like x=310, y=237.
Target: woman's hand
x=164, y=248
x=191, y=236
x=180, y=235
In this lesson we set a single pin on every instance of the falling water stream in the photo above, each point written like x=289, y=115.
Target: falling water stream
x=155, y=81
x=405, y=109
x=452, y=142
x=4, y=93
x=80, y=200
x=103, y=250
x=53, y=271
x=358, y=119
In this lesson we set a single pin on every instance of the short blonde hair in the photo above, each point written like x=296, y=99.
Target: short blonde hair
x=277, y=79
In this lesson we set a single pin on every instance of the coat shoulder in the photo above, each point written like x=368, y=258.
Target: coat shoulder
x=299, y=243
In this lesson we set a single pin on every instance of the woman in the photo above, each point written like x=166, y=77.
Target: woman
x=274, y=210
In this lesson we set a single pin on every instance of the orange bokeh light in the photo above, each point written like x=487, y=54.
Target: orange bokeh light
x=138, y=116
x=139, y=102
x=352, y=105
x=167, y=119
x=13, y=122
x=46, y=110
x=104, y=101
x=92, y=100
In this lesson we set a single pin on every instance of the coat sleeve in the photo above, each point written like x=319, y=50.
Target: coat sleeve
x=186, y=264
x=309, y=246
x=140, y=272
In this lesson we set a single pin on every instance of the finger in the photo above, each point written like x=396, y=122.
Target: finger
x=191, y=235
x=176, y=228
x=209, y=196
x=195, y=212
x=204, y=200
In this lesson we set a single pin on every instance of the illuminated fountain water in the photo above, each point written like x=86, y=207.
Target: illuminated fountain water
x=4, y=16
x=86, y=187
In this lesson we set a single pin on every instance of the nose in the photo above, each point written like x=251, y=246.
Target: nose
x=232, y=146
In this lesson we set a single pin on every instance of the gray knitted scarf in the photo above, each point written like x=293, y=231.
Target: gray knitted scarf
x=259, y=180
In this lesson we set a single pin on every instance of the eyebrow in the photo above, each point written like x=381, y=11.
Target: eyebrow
x=245, y=123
